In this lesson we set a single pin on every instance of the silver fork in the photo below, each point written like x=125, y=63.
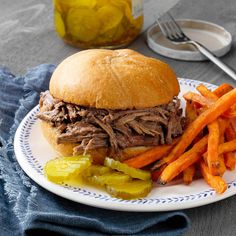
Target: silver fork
x=174, y=33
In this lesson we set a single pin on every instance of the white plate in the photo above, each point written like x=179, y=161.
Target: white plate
x=33, y=151
x=214, y=37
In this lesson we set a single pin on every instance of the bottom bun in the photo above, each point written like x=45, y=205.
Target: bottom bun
x=98, y=155
x=50, y=133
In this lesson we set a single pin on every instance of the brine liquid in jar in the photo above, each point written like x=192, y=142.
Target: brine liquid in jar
x=98, y=23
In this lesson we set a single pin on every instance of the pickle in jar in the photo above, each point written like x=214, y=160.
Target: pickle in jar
x=114, y=34
x=101, y=3
x=59, y=24
x=82, y=24
x=109, y=16
x=119, y=33
x=79, y=3
x=126, y=8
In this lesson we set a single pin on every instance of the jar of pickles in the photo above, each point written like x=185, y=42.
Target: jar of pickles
x=98, y=23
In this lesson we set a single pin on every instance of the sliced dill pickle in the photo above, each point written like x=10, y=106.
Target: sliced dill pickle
x=59, y=24
x=101, y=3
x=134, y=173
x=96, y=170
x=110, y=17
x=119, y=32
x=124, y=6
x=66, y=168
x=109, y=178
x=57, y=6
x=81, y=3
x=82, y=24
x=130, y=190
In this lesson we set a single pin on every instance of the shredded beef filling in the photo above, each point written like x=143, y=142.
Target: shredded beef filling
x=95, y=128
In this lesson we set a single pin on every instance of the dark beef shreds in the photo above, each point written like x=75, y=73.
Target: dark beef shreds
x=95, y=128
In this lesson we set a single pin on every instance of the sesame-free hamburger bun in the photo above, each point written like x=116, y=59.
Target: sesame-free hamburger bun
x=114, y=79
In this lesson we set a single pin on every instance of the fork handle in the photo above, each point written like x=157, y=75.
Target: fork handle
x=214, y=59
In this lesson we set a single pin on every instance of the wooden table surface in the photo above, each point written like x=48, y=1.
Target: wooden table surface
x=27, y=38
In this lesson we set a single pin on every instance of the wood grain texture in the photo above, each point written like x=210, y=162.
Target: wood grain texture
x=28, y=39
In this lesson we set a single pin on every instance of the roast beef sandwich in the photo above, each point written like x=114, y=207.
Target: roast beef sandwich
x=114, y=103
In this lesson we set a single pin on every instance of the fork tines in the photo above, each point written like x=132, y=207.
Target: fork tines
x=170, y=27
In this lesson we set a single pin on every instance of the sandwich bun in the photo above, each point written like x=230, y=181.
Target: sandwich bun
x=114, y=79
x=110, y=79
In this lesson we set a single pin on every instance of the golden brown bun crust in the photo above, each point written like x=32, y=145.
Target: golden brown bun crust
x=114, y=79
x=66, y=149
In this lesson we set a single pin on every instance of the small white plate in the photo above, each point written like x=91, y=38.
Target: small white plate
x=33, y=151
x=214, y=37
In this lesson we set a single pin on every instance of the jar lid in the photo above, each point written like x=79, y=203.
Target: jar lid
x=217, y=39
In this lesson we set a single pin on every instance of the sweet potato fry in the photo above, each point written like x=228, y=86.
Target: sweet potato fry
x=227, y=147
x=222, y=167
x=231, y=113
x=216, y=182
x=204, y=91
x=191, y=113
x=230, y=133
x=230, y=160
x=224, y=148
x=197, y=98
x=213, y=143
x=223, y=124
x=150, y=155
x=208, y=99
x=156, y=173
x=209, y=115
x=188, y=174
x=222, y=89
x=184, y=161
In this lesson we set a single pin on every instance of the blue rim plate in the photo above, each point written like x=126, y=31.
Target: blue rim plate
x=33, y=151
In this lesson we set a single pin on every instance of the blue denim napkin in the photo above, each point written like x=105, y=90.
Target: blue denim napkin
x=28, y=209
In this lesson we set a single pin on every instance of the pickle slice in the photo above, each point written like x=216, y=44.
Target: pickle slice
x=130, y=190
x=59, y=24
x=126, y=8
x=96, y=170
x=57, y=6
x=66, y=168
x=101, y=3
x=81, y=3
x=111, y=35
x=110, y=17
x=109, y=178
x=82, y=24
x=135, y=173
x=120, y=30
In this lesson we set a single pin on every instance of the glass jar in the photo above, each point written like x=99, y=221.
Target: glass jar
x=98, y=23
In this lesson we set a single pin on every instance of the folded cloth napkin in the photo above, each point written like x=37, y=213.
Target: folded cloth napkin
x=28, y=209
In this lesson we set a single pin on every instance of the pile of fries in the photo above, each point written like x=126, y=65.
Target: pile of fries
x=207, y=145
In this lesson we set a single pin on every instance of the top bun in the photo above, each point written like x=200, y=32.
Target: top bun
x=114, y=79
